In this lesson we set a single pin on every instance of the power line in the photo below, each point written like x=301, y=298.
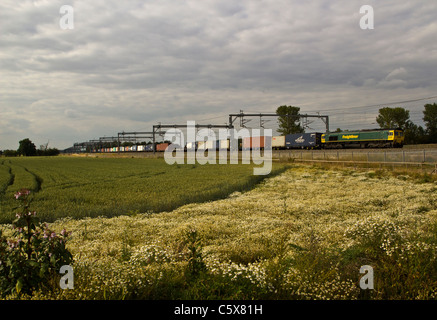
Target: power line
x=383, y=104
x=374, y=105
x=211, y=118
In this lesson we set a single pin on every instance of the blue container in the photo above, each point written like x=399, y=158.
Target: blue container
x=303, y=140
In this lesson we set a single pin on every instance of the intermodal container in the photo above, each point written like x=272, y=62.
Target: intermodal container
x=212, y=144
x=224, y=144
x=278, y=142
x=191, y=146
x=253, y=143
x=303, y=140
x=201, y=145
x=161, y=146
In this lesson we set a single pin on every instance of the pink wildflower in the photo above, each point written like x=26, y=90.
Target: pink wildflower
x=20, y=193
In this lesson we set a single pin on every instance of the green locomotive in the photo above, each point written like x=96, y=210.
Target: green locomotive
x=377, y=138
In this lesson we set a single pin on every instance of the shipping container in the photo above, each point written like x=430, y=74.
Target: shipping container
x=177, y=147
x=278, y=142
x=140, y=148
x=253, y=143
x=148, y=147
x=161, y=146
x=209, y=145
x=303, y=140
x=201, y=145
x=212, y=144
x=191, y=146
x=224, y=144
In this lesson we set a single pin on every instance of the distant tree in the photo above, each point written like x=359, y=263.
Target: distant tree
x=414, y=134
x=44, y=147
x=338, y=130
x=48, y=152
x=26, y=148
x=10, y=153
x=430, y=119
x=288, y=120
x=393, y=118
x=52, y=151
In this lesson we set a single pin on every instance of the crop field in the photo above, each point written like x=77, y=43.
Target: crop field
x=301, y=234
x=90, y=187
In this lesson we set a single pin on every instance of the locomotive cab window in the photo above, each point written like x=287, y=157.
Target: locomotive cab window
x=390, y=133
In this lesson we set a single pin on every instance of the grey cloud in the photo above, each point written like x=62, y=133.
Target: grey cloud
x=125, y=62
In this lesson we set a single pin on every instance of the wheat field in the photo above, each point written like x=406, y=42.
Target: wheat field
x=303, y=234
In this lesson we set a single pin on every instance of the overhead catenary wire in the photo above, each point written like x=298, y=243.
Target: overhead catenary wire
x=346, y=117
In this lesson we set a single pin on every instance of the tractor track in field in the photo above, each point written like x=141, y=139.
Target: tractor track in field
x=11, y=178
x=11, y=181
x=37, y=178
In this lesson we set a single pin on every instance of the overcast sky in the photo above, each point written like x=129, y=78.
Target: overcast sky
x=130, y=64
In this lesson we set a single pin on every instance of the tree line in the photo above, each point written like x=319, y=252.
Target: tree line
x=398, y=117
x=28, y=149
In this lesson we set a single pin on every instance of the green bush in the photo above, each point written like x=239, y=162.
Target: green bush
x=30, y=259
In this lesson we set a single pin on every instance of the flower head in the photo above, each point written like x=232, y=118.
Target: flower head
x=22, y=192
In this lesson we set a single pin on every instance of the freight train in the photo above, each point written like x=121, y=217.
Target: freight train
x=376, y=138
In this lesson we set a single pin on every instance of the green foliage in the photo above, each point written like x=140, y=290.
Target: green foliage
x=26, y=148
x=406, y=262
x=47, y=152
x=288, y=120
x=31, y=258
x=196, y=265
x=10, y=153
x=430, y=119
x=414, y=134
x=393, y=117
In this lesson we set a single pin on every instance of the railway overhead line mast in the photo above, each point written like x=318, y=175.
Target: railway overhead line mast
x=243, y=121
x=196, y=126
